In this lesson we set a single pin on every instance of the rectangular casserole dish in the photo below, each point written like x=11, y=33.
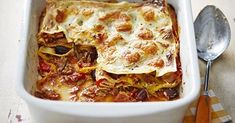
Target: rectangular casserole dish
x=47, y=111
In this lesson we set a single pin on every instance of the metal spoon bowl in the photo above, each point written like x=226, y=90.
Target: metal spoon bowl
x=213, y=35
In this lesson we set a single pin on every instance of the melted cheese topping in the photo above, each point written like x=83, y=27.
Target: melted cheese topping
x=130, y=38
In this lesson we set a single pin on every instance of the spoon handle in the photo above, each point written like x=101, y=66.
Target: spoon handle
x=203, y=114
x=208, y=66
x=203, y=110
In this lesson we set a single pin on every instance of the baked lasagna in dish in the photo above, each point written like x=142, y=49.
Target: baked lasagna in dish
x=92, y=51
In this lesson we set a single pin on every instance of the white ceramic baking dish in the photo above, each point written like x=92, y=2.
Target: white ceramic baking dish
x=46, y=111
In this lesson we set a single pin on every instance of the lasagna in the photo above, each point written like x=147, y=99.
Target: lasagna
x=92, y=51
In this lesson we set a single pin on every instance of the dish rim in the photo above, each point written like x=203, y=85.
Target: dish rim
x=53, y=105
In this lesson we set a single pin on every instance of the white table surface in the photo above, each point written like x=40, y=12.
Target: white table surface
x=13, y=108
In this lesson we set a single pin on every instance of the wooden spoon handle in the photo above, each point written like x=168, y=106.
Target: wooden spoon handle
x=203, y=114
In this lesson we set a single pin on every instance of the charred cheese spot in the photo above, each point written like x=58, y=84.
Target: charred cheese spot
x=125, y=17
x=148, y=14
x=87, y=12
x=145, y=34
x=157, y=63
x=61, y=16
x=148, y=47
x=110, y=16
x=124, y=27
x=132, y=57
x=113, y=41
x=98, y=28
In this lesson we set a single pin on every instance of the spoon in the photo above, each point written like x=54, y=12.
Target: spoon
x=213, y=35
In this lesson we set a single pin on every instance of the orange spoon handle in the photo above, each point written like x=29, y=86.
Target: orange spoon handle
x=203, y=114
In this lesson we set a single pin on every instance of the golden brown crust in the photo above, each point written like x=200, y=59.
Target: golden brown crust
x=158, y=63
x=148, y=14
x=125, y=17
x=110, y=16
x=132, y=57
x=87, y=12
x=145, y=34
x=124, y=27
x=133, y=46
x=118, y=25
x=150, y=48
x=98, y=28
x=113, y=41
